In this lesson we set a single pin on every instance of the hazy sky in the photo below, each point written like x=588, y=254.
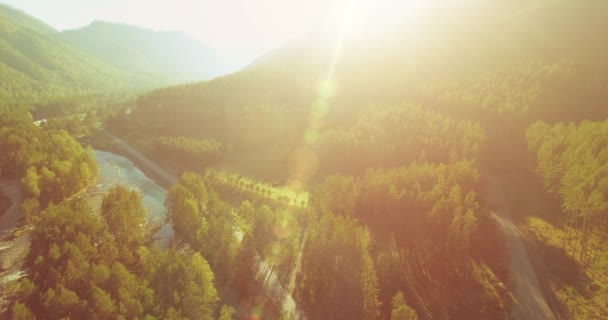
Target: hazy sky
x=238, y=29
x=234, y=27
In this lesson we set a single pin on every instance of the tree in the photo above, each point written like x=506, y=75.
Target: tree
x=30, y=183
x=338, y=194
x=102, y=305
x=21, y=312
x=338, y=280
x=125, y=215
x=401, y=311
x=227, y=313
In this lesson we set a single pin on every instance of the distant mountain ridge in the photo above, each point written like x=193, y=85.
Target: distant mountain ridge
x=35, y=65
x=38, y=63
x=25, y=20
x=172, y=56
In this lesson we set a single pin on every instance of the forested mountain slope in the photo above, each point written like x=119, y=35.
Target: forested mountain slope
x=397, y=135
x=171, y=57
x=38, y=64
x=375, y=176
x=469, y=63
x=24, y=20
x=35, y=66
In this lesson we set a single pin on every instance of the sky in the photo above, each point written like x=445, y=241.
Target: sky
x=240, y=30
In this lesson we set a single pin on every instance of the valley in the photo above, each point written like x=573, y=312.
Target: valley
x=453, y=166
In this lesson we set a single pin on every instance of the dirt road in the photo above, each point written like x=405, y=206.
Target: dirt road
x=528, y=300
x=12, y=250
x=10, y=219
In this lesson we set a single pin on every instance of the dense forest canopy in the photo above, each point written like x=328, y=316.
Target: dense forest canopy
x=453, y=167
x=453, y=63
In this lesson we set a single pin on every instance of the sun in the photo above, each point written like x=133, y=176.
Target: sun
x=369, y=18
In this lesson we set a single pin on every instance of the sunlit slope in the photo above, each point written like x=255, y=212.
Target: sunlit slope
x=34, y=65
x=171, y=57
x=24, y=20
x=418, y=61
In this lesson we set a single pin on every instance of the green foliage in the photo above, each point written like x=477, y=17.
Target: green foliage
x=338, y=280
x=52, y=165
x=516, y=91
x=401, y=311
x=227, y=313
x=35, y=65
x=191, y=151
x=204, y=221
x=424, y=221
x=582, y=290
x=183, y=285
x=418, y=202
x=184, y=202
x=386, y=136
x=123, y=211
x=573, y=162
x=79, y=267
x=21, y=312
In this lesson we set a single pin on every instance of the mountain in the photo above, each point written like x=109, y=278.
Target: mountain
x=24, y=20
x=473, y=61
x=38, y=63
x=35, y=65
x=461, y=45
x=171, y=56
x=457, y=82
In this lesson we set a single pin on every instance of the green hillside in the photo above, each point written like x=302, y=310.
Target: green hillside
x=406, y=133
x=465, y=63
x=453, y=167
x=172, y=57
x=34, y=66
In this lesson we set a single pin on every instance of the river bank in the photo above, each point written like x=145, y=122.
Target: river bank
x=163, y=173
x=14, y=241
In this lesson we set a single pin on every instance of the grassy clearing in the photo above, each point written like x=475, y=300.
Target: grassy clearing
x=583, y=289
x=283, y=194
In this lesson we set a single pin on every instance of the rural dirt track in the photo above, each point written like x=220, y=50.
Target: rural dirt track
x=10, y=219
x=528, y=300
x=12, y=251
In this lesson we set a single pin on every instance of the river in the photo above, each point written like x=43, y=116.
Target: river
x=115, y=169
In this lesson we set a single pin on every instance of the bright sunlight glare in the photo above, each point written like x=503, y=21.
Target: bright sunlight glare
x=365, y=18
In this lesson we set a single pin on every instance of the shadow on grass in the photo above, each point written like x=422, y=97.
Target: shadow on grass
x=557, y=270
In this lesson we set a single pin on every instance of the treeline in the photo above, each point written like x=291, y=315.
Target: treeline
x=338, y=278
x=52, y=165
x=404, y=233
x=76, y=126
x=88, y=266
x=514, y=91
x=573, y=163
x=61, y=107
x=394, y=241
x=534, y=90
x=387, y=136
x=231, y=239
x=192, y=151
x=83, y=265
x=426, y=225
x=236, y=187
